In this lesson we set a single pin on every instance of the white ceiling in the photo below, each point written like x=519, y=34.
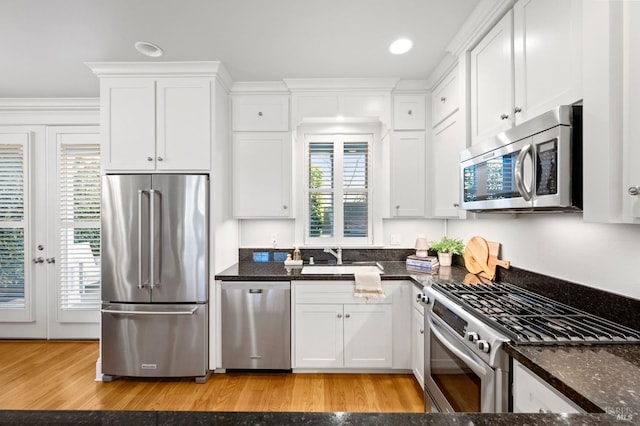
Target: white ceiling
x=45, y=43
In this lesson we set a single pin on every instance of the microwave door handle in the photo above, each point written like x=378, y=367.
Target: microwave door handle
x=477, y=368
x=519, y=175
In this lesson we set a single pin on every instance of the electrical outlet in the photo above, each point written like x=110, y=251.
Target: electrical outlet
x=274, y=239
x=395, y=239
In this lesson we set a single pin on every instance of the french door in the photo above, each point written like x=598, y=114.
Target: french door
x=49, y=232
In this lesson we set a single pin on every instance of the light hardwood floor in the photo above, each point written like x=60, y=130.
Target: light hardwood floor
x=46, y=375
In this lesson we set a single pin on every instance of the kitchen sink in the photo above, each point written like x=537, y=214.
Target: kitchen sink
x=340, y=269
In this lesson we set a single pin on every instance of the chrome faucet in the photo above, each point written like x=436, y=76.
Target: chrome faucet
x=337, y=254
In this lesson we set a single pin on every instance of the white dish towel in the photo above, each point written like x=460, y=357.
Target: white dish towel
x=368, y=285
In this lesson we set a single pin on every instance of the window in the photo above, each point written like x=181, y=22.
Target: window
x=79, y=263
x=338, y=208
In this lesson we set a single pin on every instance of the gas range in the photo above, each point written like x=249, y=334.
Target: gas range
x=528, y=318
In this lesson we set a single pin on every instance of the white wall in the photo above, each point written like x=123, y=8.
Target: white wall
x=603, y=256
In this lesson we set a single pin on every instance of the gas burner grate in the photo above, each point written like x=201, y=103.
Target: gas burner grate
x=528, y=318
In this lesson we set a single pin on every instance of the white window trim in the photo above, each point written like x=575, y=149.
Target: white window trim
x=376, y=181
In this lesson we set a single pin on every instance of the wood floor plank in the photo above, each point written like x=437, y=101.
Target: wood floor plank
x=54, y=375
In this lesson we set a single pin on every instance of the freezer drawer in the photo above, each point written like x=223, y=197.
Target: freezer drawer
x=159, y=340
x=256, y=320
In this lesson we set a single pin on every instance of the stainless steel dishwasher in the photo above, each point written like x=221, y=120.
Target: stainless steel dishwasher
x=256, y=325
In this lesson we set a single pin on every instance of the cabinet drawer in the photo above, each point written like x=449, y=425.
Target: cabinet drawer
x=332, y=292
x=409, y=112
x=445, y=98
x=260, y=113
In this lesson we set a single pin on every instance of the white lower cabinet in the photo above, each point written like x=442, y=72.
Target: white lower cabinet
x=332, y=329
x=531, y=394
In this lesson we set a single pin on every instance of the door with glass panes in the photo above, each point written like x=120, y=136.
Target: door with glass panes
x=49, y=232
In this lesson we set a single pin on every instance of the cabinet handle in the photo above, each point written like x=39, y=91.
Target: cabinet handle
x=409, y=112
x=456, y=205
x=347, y=316
x=38, y=260
x=443, y=99
x=421, y=331
x=504, y=116
x=259, y=113
x=398, y=206
x=634, y=190
x=159, y=158
x=149, y=158
x=517, y=110
x=339, y=315
x=285, y=207
x=51, y=260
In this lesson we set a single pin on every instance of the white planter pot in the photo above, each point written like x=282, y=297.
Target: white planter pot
x=445, y=259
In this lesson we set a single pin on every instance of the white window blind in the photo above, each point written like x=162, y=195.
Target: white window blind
x=12, y=215
x=79, y=260
x=338, y=208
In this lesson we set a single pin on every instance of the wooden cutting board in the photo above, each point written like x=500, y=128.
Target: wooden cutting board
x=494, y=251
x=476, y=255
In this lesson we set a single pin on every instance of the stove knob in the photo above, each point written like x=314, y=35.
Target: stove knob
x=483, y=345
x=472, y=336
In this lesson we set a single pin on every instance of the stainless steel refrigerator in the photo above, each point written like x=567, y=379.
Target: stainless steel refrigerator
x=155, y=276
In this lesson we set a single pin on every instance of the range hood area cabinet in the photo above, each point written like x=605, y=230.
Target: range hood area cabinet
x=158, y=117
x=516, y=74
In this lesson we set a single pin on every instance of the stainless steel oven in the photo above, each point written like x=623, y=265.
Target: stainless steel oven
x=465, y=368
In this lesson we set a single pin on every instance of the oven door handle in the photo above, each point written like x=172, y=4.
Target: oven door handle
x=476, y=367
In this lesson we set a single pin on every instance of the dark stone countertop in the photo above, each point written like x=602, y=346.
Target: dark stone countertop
x=599, y=378
x=274, y=271
x=24, y=417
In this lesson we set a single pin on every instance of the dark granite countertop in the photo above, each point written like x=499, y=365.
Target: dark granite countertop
x=274, y=271
x=599, y=378
x=351, y=419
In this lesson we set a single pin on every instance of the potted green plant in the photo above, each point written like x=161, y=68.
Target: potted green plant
x=446, y=248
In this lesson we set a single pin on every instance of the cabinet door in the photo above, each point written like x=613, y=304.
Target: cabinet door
x=547, y=55
x=184, y=124
x=417, y=353
x=260, y=113
x=408, y=174
x=492, y=81
x=444, y=100
x=531, y=394
x=448, y=141
x=368, y=340
x=318, y=336
x=631, y=108
x=128, y=117
x=261, y=175
x=409, y=112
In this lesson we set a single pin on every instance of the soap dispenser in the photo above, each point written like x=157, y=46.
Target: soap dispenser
x=297, y=255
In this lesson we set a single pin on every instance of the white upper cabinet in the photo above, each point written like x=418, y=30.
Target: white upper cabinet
x=444, y=100
x=267, y=113
x=407, y=170
x=444, y=166
x=159, y=116
x=261, y=180
x=530, y=62
x=492, y=81
x=156, y=124
x=547, y=54
x=409, y=112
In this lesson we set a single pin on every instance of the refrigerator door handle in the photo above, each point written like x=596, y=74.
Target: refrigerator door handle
x=141, y=284
x=118, y=312
x=154, y=256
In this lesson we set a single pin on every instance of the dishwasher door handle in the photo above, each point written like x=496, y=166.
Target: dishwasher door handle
x=256, y=286
x=255, y=291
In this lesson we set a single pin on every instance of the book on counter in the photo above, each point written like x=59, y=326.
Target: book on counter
x=426, y=263
x=421, y=270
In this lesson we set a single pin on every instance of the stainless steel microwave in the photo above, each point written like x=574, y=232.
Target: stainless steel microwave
x=535, y=166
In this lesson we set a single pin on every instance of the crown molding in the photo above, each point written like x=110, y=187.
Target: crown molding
x=163, y=69
x=341, y=84
x=481, y=20
x=260, y=87
x=448, y=63
x=411, y=86
x=50, y=111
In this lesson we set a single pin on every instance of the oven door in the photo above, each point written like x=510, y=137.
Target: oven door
x=456, y=379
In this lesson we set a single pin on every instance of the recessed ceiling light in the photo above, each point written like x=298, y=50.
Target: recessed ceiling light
x=148, y=49
x=400, y=46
